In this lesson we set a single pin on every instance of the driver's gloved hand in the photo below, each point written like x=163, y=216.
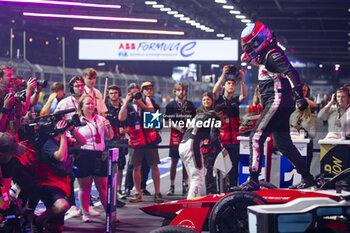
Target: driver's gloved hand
x=299, y=98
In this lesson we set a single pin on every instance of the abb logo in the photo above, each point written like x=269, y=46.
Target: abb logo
x=127, y=46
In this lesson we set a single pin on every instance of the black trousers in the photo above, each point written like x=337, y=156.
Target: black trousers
x=275, y=120
x=129, y=182
x=233, y=151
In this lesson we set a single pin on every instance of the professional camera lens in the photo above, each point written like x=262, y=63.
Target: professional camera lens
x=42, y=83
x=136, y=95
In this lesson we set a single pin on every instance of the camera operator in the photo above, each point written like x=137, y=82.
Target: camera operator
x=230, y=129
x=140, y=138
x=53, y=186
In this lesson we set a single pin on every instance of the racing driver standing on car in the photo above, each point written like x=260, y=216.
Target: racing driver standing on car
x=277, y=80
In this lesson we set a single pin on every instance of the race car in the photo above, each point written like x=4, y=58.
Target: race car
x=227, y=212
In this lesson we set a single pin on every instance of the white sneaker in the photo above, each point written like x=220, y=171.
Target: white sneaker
x=86, y=218
x=73, y=212
x=93, y=212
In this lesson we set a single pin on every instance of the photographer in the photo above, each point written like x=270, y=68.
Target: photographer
x=141, y=138
x=52, y=181
x=229, y=129
x=10, y=118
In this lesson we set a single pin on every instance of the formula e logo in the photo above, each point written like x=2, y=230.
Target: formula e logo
x=151, y=120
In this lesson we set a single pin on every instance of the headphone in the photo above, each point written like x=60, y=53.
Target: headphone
x=72, y=81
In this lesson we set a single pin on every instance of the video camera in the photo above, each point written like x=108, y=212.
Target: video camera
x=44, y=127
x=234, y=70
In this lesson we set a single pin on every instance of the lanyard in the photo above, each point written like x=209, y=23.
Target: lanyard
x=93, y=96
x=76, y=108
x=183, y=107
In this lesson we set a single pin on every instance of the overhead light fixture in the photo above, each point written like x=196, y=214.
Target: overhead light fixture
x=228, y=7
x=185, y=18
x=320, y=65
x=221, y=1
x=65, y=3
x=179, y=15
x=227, y=38
x=190, y=21
x=234, y=12
x=348, y=42
x=246, y=21
x=165, y=9
x=240, y=16
x=141, y=31
x=210, y=30
x=150, y=2
x=220, y=35
x=157, y=6
x=90, y=17
x=243, y=64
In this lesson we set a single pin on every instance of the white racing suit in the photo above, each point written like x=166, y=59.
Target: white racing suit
x=189, y=150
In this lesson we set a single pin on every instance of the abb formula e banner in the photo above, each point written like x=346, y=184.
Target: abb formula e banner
x=158, y=50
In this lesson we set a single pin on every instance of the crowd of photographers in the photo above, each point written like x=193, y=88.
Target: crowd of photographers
x=76, y=131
